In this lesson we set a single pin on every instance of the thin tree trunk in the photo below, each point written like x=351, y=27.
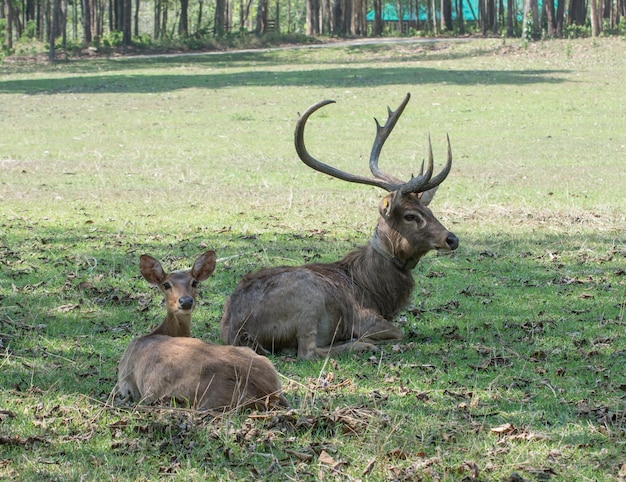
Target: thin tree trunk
x=86, y=19
x=136, y=18
x=54, y=24
x=183, y=21
x=510, y=5
x=596, y=17
x=312, y=17
x=127, y=15
x=8, y=13
x=549, y=6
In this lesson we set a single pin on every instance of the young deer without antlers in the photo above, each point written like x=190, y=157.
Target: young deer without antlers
x=168, y=364
x=322, y=309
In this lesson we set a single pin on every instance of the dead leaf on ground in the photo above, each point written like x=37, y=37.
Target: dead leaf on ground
x=369, y=467
x=471, y=467
x=17, y=441
x=326, y=460
x=503, y=429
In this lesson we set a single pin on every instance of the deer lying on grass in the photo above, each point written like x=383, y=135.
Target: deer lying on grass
x=322, y=309
x=168, y=364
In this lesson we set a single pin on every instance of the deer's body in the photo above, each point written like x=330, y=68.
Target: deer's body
x=311, y=307
x=168, y=364
x=197, y=374
x=329, y=308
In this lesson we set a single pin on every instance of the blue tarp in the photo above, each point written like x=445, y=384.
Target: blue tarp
x=390, y=13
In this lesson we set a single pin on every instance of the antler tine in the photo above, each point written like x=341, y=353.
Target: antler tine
x=313, y=163
x=438, y=179
x=382, y=133
x=425, y=181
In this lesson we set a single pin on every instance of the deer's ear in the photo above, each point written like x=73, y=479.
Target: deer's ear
x=388, y=204
x=204, y=266
x=427, y=196
x=151, y=270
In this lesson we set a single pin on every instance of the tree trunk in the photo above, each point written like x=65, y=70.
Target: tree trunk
x=183, y=21
x=163, y=18
x=261, y=17
x=54, y=25
x=460, y=21
x=446, y=15
x=530, y=19
x=326, y=17
x=377, y=29
x=136, y=18
x=8, y=13
x=577, y=12
x=560, y=18
x=86, y=18
x=220, y=17
x=549, y=6
x=312, y=17
x=510, y=5
x=63, y=23
x=338, y=18
x=596, y=17
x=127, y=22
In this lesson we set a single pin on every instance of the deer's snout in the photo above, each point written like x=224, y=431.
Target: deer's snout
x=452, y=241
x=185, y=302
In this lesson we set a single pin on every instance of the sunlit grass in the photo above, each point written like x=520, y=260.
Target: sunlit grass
x=104, y=160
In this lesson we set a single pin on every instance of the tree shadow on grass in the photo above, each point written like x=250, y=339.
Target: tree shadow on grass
x=423, y=50
x=351, y=77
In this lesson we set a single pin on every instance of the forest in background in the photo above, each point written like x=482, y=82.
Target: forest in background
x=75, y=25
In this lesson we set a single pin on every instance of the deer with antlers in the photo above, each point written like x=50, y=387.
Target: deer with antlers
x=321, y=309
x=168, y=364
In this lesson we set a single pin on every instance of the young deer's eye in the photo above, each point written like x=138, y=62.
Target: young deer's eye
x=167, y=286
x=194, y=284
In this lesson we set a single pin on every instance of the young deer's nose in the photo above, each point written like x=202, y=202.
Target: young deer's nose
x=185, y=303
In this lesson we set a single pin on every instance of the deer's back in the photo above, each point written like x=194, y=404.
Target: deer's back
x=276, y=306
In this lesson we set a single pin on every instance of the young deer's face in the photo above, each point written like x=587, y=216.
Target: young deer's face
x=179, y=290
x=179, y=287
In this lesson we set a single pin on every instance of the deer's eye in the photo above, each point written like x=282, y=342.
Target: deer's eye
x=194, y=284
x=412, y=217
x=167, y=286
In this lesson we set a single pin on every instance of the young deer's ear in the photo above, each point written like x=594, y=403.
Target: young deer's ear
x=151, y=270
x=427, y=196
x=204, y=266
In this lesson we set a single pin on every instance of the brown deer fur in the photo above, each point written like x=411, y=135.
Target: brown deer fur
x=168, y=364
x=319, y=309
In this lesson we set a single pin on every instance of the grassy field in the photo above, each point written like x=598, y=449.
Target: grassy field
x=512, y=365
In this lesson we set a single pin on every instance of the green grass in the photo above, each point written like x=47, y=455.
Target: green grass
x=103, y=160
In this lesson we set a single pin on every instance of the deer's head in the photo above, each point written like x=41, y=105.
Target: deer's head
x=179, y=287
x=407, y=228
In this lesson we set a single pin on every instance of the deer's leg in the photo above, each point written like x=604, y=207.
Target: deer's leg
x=350, y=346
x=307, y=346
x=376, y=328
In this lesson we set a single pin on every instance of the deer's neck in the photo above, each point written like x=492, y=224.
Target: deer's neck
x=383, y=285
x=382, y=248
x=175, y=325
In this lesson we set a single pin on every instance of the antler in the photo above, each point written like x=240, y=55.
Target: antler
x=421, y=183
